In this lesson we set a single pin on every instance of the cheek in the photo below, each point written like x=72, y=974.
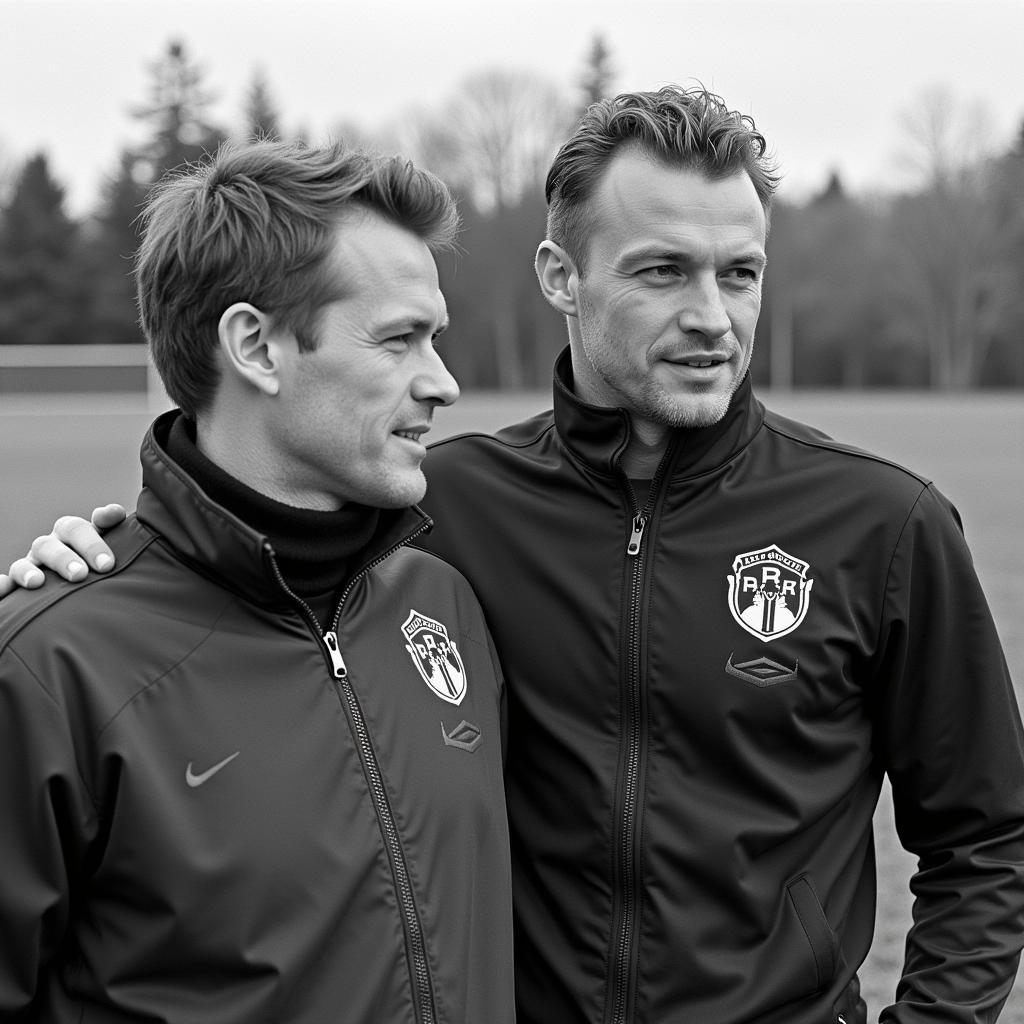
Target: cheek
x=635, y=321
x=746, y=312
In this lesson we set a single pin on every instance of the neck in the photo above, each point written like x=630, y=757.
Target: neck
x=315, y=549
x=243, y=454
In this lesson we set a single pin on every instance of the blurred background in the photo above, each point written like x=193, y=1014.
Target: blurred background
x=897, y=247
x=894, y=300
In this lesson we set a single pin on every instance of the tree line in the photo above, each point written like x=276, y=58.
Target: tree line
x=924, y=288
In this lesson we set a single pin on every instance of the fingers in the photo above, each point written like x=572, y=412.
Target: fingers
x=7, y=585
x=74, y=540
x=106, y=516
x=70, y=550
x=50, y=551
x=26, y=573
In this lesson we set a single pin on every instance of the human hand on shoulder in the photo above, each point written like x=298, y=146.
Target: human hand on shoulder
x=72, y=548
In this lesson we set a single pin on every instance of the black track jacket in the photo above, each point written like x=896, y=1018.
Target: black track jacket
x=204, y=819
x=704, y=695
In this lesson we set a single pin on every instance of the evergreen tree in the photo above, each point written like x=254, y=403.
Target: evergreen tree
x=261, y=120
x=113, y=240
x=598, y=74
x=176, y=113
x=41, y=292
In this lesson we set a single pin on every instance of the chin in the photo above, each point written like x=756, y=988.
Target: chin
x=692, y=411
x=401, y=494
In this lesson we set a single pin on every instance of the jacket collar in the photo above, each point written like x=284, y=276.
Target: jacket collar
x=598, y=435
x=218, y=543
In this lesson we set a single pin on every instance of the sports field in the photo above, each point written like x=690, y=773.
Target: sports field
x=69, y=454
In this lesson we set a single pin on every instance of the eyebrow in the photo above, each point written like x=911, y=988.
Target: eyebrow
x=402, y=325
x=656, y=253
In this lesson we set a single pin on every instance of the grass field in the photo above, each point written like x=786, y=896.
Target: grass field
x=67, y=455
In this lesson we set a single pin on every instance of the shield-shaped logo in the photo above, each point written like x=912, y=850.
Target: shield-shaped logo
x=435, y=656
x=769, y=592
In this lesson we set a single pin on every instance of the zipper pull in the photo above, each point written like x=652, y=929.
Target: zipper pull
x=337, y=661
x=639, y=522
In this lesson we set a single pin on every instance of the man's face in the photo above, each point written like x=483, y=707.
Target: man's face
x=351, y=413
x=670, y=296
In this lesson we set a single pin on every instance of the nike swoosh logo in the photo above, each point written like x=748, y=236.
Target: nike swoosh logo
x=197, y=780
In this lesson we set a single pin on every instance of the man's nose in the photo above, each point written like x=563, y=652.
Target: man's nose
x=703, y=310
x=434, y=383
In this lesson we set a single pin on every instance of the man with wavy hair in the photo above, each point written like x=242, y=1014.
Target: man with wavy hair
x=720, y=629
x=225, y=793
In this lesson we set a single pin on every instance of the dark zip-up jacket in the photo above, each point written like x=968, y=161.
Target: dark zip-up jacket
x=212, y=814
x=704, y=694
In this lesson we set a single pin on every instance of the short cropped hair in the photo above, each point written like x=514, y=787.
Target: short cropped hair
x=691, y=129
x=256, y=224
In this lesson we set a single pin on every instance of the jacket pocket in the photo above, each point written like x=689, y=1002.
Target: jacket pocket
x=820, y=937
x=849, y=1008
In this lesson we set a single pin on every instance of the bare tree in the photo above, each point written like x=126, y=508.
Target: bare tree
x=945, y=139
x=942, y=237
x=495, y=138
x=493, y=143
x=8, y=175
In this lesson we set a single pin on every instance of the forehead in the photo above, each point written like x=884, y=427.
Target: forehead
x=640, y=200
x=378, y=266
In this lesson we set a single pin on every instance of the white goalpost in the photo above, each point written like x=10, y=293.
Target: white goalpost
x=71, y=372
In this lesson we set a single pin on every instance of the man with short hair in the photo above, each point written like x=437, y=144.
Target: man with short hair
x=720, y=630
x=255, y=773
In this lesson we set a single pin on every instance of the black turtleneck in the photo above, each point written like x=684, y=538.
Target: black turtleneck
x=315, y=551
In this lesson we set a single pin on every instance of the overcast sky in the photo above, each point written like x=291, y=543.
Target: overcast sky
x=825, y=80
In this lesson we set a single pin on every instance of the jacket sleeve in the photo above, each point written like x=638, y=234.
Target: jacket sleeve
x=950, y=732
x=45, y=813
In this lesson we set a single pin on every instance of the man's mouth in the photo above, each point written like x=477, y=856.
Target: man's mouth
x=413, y=433
x=701, y=362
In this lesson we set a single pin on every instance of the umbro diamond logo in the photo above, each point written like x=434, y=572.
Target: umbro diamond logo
x=197, y=780
x=762, y=671
x=465, y=736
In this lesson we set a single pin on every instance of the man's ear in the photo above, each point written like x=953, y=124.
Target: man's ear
x=251, y=347
x=559, y=280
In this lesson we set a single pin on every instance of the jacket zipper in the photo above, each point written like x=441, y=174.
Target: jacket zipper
x=621, y=993
x=423, y=988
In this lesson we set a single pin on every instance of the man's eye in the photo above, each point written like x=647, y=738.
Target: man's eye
x=742, y=273
x=663, y=271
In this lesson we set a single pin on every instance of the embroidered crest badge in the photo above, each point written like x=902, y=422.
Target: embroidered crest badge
x=769, y=592
x=435, y=656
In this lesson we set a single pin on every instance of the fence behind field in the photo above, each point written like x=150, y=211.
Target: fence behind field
x=80, y=370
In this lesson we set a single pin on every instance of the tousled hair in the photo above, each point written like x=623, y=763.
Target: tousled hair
x=691, y=129
x=256, y=223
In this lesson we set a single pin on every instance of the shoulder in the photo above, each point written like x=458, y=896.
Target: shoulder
x=412, y=570
x=862, y=473
x=515, y=437
x=422, y=583
x=58, y=602
x=103, y=641
x=480, y=469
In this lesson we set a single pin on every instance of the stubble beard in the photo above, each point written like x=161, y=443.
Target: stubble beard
x=703, y=405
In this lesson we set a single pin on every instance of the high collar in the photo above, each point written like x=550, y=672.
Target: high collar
x=598, y=435
x=218, y=542
x=314, y=548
